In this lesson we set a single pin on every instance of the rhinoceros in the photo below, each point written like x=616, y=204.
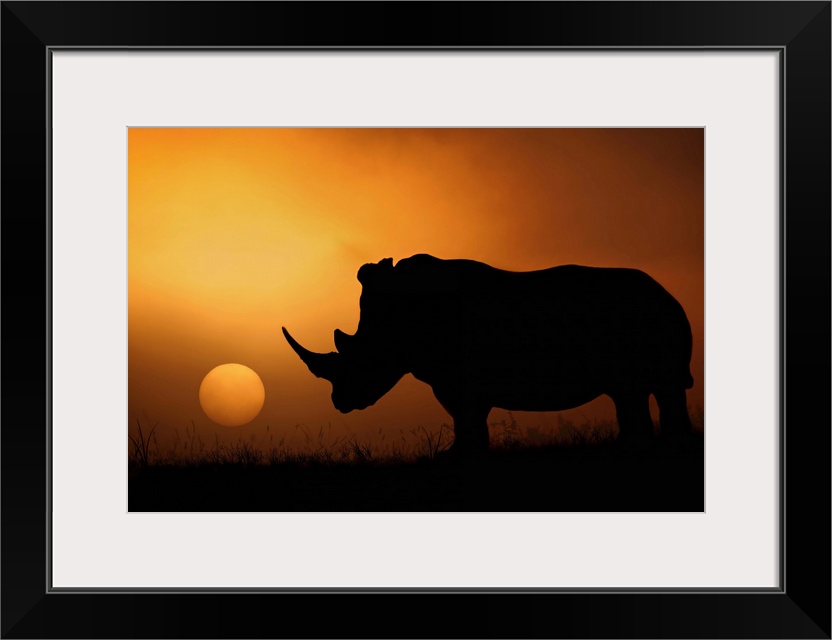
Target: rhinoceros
x=483, y=337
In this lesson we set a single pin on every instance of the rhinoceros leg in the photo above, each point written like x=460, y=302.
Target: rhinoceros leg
x=470, y=423
x=632, y=409
x=673, y=413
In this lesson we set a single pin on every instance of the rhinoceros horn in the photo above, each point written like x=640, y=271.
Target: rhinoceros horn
x=322, y=365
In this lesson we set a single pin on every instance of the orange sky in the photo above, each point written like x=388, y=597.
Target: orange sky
x=234, y=233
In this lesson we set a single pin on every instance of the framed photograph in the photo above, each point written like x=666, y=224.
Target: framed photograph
x=444, y=390
x=452, y=189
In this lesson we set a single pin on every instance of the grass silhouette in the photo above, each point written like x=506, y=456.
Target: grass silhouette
x=569, y=468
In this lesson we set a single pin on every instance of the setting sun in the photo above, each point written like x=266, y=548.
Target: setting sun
x=232, y=395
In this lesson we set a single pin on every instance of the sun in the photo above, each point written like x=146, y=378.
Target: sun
x=232, y=394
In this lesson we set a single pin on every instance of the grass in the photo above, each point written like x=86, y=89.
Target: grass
x=141, y=445
x=305, y=447
x=568, y=467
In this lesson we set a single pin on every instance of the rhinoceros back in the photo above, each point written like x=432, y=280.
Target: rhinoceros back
x=592, y=328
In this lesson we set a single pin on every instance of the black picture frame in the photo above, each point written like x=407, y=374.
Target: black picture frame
x=799, y=31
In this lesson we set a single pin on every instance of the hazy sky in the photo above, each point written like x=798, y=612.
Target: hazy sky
x=234, y=233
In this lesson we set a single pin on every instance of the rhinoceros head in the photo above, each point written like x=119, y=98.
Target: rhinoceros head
x=359, y=376
x=366, y=365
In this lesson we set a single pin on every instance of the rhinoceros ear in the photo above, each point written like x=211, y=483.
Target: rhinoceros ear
x=371, y=273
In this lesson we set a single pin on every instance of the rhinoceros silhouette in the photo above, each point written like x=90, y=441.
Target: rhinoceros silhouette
x=543, y=340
